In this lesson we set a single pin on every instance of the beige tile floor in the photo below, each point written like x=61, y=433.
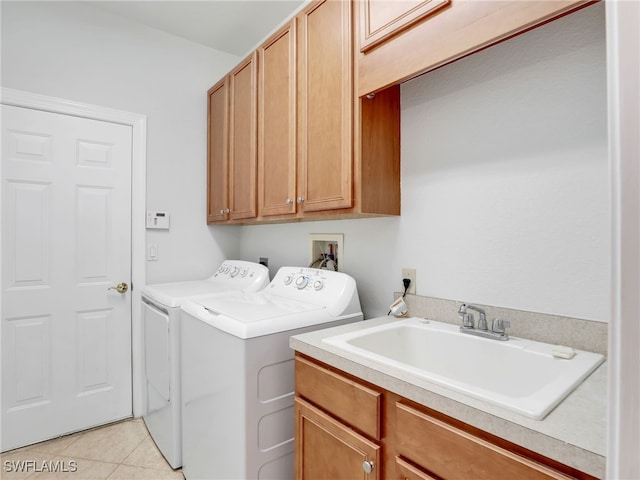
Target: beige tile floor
x=123, y=450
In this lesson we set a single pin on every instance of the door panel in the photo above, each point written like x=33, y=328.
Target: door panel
x=66, y=226
x=243, y=157
x=325, y=106
x=277, y=124
x=217, y=153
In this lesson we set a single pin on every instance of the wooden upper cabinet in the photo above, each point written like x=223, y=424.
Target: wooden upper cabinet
x=325, y=106
x=277, y=123
x=217, y=137
x=397, y=45
x=243, y=139
x=290, y=137
x=382, y=19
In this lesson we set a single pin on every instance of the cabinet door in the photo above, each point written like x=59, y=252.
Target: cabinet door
x=243, y=139
x=381, y=19
x=327, y=449
x=217, y=152
x=277, y=124
x=326, y=106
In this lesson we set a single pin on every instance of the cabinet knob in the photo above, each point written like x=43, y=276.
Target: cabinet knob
x=222, y=211
x=227, y=210
x=367, y=466
x=300, y=199
x=288, y=201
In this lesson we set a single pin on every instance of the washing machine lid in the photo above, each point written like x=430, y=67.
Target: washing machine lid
x=255, y=307
x=175, y=294
x=254, y=315
x=232, y=275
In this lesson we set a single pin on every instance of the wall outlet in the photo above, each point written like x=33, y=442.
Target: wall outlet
x=409, y=273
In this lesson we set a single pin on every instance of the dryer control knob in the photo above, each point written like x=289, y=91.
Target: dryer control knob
x=243, y=272
x=302, y=282
x=235, y=272
x=288, y=279
x=318, y=284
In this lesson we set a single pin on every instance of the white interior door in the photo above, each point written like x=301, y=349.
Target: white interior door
x=66, y=238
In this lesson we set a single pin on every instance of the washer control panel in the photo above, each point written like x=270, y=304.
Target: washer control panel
x=241, y=271
x=304, y=278
x=311, y=284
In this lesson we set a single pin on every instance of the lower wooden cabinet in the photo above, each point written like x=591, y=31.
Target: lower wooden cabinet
x=328, y=449
x=445, y=451
x=346, y=427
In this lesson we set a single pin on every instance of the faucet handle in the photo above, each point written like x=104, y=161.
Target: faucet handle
x=499, y=325
x=467, y=320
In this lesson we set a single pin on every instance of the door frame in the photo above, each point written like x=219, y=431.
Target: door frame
x=138, y=124
x=623, y=65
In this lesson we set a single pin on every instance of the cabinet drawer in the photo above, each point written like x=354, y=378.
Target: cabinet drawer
x=406, y=471
x=448, y=452
x=349, y=401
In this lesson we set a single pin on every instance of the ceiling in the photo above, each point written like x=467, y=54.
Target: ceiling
x=232, y=26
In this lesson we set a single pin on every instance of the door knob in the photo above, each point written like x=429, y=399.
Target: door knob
x=121, y=287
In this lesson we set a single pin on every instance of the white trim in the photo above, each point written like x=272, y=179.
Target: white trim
x=623, y=57
x=138, y=124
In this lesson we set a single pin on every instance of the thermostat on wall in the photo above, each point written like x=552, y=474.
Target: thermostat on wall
x=158, y=220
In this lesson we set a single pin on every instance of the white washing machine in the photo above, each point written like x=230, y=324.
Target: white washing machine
x=161, y=324
x=238, y=372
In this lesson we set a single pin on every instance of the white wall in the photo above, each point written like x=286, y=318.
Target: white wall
x=78, y=52
x=505, y=196
x=504, y=159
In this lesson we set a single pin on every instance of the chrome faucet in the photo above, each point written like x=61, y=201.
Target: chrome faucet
x=498, y=326
x=469, y=321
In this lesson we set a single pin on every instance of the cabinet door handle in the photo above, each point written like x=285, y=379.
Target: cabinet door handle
x=300, y=200
x=288, y=201
x=367, y=466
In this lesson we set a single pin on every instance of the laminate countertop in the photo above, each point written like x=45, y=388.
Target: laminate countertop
x=574, y=433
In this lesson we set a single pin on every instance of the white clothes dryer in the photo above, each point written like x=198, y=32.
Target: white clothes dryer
x=238, y=371
x=161, y=325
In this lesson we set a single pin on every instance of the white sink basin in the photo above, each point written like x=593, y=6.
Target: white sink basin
x=520, y=375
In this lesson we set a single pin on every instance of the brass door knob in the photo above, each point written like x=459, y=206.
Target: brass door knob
x=120, y=288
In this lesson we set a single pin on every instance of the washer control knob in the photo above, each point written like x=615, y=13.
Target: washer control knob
x=235, y=272
x=288, y=279
x=318, y=284
x=243, y=272
x=302, y=282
